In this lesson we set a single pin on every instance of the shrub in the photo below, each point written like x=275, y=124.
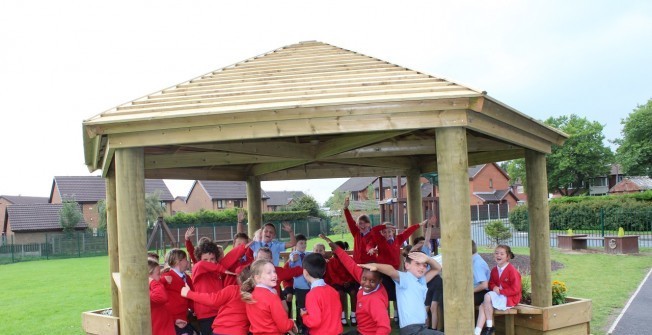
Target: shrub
x=497, y=232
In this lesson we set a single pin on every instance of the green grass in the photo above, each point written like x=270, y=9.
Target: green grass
x=51, y=294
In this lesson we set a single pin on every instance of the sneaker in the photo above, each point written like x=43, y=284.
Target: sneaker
x=344, y=323
x=353, y=321
x=488, y=331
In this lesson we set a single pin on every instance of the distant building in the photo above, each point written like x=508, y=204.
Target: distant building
x=219, y=195
x=31, y=223
x=632, y=185
x=602, y=185
x=278, y=200
x=9, y=200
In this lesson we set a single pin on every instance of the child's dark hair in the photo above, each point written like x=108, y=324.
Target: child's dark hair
x=315, y=265
x=270, y=225
x=241, y=235
x=244, y=275
x=418, y=239
x=207, y=247
x=342, y=244
x=301, y=237
x=474, y=247
x=507, y=249
x=407, y=257
x=265, y=250
x=365, y=218
x=406, y=250
x=151, y=265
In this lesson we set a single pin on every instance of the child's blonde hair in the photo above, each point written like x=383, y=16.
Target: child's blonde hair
x=174, y=256
x=248, y=285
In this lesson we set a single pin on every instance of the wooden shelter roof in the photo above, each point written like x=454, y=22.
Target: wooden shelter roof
x=308, y=110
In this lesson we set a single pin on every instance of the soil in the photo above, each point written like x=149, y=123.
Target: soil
x=521, y=262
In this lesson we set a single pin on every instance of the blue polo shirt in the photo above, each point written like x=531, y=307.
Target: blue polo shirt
x=276, y=246
x=481, y=270
x=300, y=282
x=410, y=290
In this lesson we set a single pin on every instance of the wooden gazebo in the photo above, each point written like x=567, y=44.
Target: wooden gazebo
x=313, y=110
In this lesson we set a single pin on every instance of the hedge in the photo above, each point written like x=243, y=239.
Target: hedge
x=229, y=217
x=632, y=212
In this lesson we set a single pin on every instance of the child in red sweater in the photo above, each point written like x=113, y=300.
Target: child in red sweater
x=504, y=290
x=322, y=311
x=231, y=317
x=162, y=323
x=264, y=310
x=372, y=303
x=341, y=280
x=174, y=279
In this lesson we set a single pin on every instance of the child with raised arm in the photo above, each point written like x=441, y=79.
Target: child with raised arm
x=504, y=290
x=264, y=310
x=361, y=238
x=322, y=312
x=162, y=322
x=371, y=306
x=411, y=291
x=267, y=240
x=231, y=317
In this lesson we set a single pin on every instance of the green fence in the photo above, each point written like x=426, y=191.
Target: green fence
x=55, y=245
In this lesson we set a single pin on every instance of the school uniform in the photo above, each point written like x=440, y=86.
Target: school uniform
x=284, y=275
x=232, y=313
x=481, y=273
x=323, y=309
x=371, y=308
x=361, y=241
x=236, y=268
x=336, y=274
x=162, y=323
x=412, y=317
x=389, y=252
x=299, y=284
x=177, y=305
x=509, y=281
x=275, y=246
x=266, y=315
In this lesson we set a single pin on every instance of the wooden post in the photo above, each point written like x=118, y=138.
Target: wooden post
x=112, y=238
x=414, y=201
x=452, y=166
x=135, y=314
x=537, y=204
x=254, y=205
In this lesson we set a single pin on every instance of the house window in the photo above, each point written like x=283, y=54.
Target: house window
x=237, y=203
x=600, y=181
x=221, y=204
x=619, y=178
x=491, y=183
x=394, y=192
x=377, y=193
x=354, y=196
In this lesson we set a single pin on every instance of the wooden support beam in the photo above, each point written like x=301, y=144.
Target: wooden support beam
x=386, y=162
x=414, y=200
x=223, y=173
x=112, y=236
x=539, y=217
x=284, y=149
x=254, y=205
x=455, y=217
x=135, y=315
x=324, y=170
x=198, y=159
x=345, y=143
x=506, y=132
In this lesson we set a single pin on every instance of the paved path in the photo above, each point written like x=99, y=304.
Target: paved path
x=635, y=318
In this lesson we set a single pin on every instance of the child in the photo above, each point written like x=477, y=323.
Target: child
x=322, y=311
x=174, y=280
x=343, y=282
x=504, y=290
x=264, y=310
x=231, y=276
x=281, y=273
x=361, y=237
x=372, y=303
x=232, y=314
x=161, y=321
x=267, y=240
x=411, y=290
x=299, y=283
x=208, y=274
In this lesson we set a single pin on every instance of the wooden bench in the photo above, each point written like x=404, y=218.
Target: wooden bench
x=509, y=318
x=575, y=242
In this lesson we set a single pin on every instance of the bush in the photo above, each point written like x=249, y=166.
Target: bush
x=497, y=232
x=229, y=217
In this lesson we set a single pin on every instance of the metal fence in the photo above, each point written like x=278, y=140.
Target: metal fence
x=55, y=245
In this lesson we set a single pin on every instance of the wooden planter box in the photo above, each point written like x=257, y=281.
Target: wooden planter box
x=95, y=323
x=627, y=244
x=571, y=318
x=567, y=242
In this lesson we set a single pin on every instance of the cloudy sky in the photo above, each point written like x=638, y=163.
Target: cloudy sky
x=62, y=62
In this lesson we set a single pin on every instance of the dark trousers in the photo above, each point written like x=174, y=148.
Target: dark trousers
x=418, y=330
x=205, y=325
x=300, y=302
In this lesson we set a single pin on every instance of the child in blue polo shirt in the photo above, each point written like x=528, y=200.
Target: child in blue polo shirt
x=411, y=287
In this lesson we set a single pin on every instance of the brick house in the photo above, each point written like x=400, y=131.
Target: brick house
x=632, y=185
x=218, y=195
x=31, y=223
x=179, y=205
x=9, y=200
x=602, y=185
x=88, y=190
x=279, y=199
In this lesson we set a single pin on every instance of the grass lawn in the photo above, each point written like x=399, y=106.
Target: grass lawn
x=49, y=296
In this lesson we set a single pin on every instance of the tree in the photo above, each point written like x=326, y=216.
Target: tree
x=336, y=204
x=101, y=209
x=497, y=232
x=306, y=203
x=69, y=216
x=582, y=157
x=370, y=205
x=516, y=170
x=153, y=207
x=635, y=148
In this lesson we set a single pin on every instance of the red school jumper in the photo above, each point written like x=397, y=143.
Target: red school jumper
x=324, y=310
x=336, y=273
x=361, y=244
x=266, y=314
x=177, y=305
x=391, y=253
x=371, y=310
x=232, y=314
x=162, y=323
x=240, y=264
x=510, y=281
x=208, y=277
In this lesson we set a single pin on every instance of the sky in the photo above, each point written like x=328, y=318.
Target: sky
x=62, y=62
